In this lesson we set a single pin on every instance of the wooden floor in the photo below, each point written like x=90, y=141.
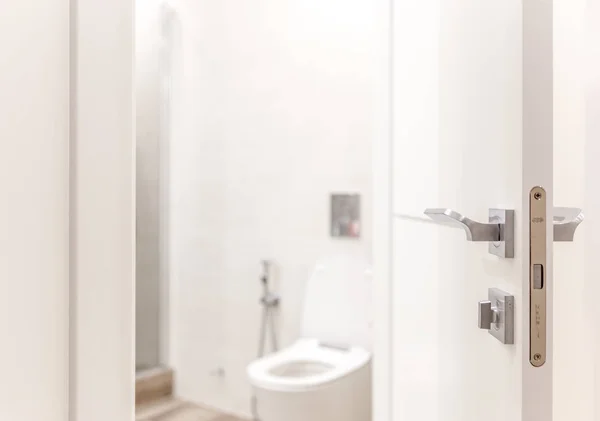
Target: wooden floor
x=170, y=409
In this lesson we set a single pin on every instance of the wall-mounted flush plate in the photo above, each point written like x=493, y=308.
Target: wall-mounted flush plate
x=497, y=315
x=345, y=215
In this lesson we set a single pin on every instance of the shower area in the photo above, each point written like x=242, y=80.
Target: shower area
x=254, y=131
x=151, y=122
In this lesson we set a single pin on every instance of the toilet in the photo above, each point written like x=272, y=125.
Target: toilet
x=326, y=374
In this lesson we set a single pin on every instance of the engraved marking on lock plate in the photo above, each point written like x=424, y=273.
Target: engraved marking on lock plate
x=537, y=276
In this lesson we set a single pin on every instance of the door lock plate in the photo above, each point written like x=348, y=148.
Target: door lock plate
x=537, y=276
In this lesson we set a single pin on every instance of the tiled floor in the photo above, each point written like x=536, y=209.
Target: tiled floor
x=175, y=410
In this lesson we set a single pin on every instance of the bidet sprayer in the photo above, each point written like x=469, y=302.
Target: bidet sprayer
x=266, y=264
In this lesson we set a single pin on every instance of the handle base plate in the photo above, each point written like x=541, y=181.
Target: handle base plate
x=506, y=246
x=503, y=324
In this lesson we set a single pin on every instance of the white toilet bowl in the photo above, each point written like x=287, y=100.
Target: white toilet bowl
x=310, y=381
x=326, y=375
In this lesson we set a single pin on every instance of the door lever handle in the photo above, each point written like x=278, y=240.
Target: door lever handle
x=566, y=222
x=476, y=231
x=498, y=231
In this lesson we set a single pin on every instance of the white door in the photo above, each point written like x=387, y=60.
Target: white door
x=34, y=209
x=473, y=129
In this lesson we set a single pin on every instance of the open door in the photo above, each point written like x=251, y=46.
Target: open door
x=473, y=150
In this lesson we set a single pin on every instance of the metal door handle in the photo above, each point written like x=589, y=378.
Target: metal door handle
x=566, y=222
x=499, y=231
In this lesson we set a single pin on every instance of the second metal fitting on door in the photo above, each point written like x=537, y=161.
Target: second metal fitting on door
x=566, y=222
x=497, y=315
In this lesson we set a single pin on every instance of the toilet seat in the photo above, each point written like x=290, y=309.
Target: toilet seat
x=306, y=365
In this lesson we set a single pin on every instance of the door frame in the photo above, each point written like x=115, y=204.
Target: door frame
x=102, y=209
x=383, y=248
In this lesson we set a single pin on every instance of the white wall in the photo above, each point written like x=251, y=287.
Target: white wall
x=574, y=381
x=592, y=200
x=34, y=214
x=576, y=184
x=272, y=110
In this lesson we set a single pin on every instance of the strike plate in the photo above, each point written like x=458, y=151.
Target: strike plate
x=537, y=276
